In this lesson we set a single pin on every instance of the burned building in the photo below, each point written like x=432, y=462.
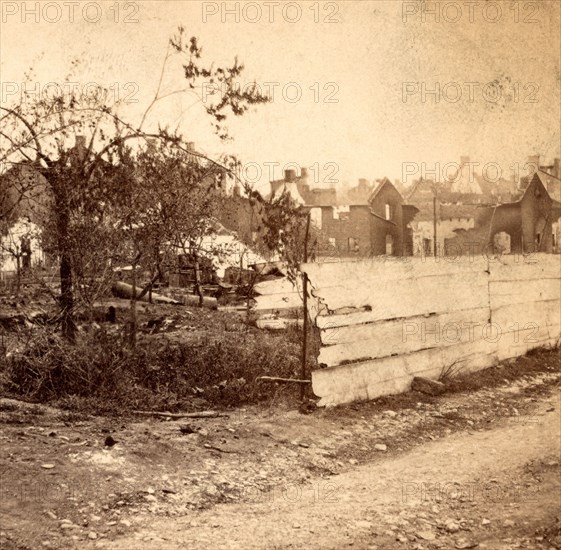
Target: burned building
x=524, y=225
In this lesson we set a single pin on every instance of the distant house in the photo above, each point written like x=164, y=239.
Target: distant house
x=20, y=247
x=23, y=194
x=438, y=205
x=390, y=231
x=451, y=207
x=525, y=225
x=366, y=220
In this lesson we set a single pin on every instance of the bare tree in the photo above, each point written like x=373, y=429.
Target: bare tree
x=81, y=180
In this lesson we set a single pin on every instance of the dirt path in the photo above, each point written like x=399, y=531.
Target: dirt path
x=494, y=489
x=407, y=471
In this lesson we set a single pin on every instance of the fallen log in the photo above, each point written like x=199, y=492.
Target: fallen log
x=202, y=414
x=124, y=290
x=278, y=324
x=192, y=300
x=283, y=380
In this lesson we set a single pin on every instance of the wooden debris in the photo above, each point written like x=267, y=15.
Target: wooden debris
x=283, y=380
x=202, y=414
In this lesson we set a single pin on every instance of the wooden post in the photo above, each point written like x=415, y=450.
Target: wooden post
x=434, y=223
x=304, y=371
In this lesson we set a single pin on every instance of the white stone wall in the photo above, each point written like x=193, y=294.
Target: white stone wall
x=384, y=321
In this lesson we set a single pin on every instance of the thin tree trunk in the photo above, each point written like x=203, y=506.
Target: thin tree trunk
x=18, y=275
x=67, y=297
x=66, y=279
x=132, y=331
x=198, y=289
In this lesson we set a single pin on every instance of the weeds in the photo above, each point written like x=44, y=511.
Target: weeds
x=99, y=374
x=449, y=372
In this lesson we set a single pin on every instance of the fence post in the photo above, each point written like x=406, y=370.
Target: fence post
x=304, y=371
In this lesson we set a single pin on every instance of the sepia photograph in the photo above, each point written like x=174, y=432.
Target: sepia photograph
x=280, y=274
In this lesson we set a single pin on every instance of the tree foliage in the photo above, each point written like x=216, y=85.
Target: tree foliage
x=100, y=180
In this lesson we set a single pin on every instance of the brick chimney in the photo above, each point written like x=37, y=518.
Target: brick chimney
x=289, y=175
x=303, y=172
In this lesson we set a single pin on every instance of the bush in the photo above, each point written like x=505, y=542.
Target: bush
x=103, y=375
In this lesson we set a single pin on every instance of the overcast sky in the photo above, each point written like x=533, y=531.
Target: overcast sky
x=359, y=66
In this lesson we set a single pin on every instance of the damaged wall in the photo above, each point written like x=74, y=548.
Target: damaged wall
x=388, y=320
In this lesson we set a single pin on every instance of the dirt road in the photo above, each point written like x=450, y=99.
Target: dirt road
x=477, y=468
x=494, y=489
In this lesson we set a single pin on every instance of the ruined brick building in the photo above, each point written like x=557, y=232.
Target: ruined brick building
x=365, y=220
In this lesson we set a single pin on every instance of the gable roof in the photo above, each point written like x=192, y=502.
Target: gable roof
x=384, y=182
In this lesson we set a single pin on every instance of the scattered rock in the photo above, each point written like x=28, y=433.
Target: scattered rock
x=47, y=466
x=508, y=523
x=92, y=535
x=187, y=429
x=485, y=521
x=125, y=522
x=109, y=441
x=462, y=544
x=391, y=414
x=380, y=447
x=452, y=526
x=426, y=535
x=427, y=386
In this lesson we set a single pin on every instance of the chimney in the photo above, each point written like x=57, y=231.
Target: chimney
x=464, y=160
x=532, y=164
x=289, y=175
x=362, y=182
x=191, y=146
x=303, y=172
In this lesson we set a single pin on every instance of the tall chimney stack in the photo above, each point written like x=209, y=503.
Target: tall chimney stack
x=289, y=175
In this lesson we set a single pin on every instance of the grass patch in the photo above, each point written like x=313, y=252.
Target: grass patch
x=99, y=374
x=536, y=361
